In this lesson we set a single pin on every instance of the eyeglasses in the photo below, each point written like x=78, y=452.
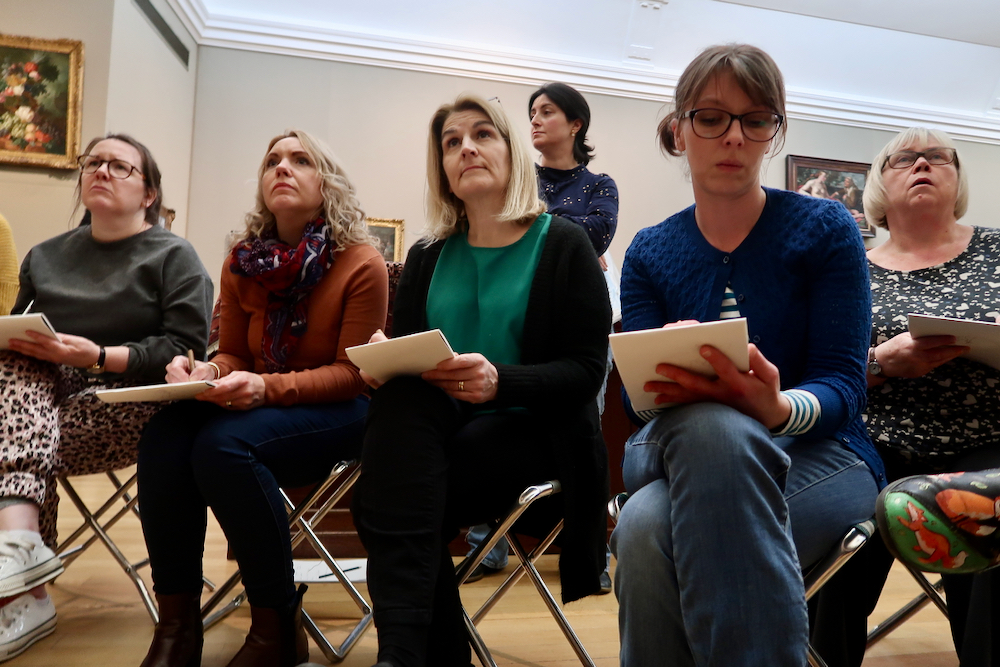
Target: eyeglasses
x=905, y=159
x=116, y=168
x=713, y=123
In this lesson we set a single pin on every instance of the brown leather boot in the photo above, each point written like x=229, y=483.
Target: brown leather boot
x=179, y=636
x=276, y=638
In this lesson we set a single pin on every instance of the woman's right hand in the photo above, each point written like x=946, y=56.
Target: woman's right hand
x=903, y=356
x=377, y=337
x=177, y=370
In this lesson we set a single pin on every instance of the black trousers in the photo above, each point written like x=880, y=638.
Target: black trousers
x=839, y=612
x=430, y=465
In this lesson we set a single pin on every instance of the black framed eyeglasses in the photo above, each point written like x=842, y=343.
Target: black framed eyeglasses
x=119, y=169
x=905, y=159
x=756, y=125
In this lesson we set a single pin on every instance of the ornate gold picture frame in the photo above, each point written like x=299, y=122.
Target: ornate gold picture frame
x=390, y=235
x=41, y=94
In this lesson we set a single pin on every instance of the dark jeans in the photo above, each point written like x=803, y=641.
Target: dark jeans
x=196, y=455
x=430, y=465
x=839, y=612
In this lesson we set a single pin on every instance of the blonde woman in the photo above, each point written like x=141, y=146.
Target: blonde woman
x=521, y=298
x=303, y=284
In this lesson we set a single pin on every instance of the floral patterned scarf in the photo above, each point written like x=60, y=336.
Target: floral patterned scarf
x=288, y=274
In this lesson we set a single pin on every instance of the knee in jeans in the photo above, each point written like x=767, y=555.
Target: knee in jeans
x=717, y=435
x=644, y=529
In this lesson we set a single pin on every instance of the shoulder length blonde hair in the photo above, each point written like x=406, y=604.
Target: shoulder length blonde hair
x=344, y=217
x=876, y=199
x=445, y=211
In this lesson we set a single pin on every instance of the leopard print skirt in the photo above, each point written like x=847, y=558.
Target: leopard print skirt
x=51, y=424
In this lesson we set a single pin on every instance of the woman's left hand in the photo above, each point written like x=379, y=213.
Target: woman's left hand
x=756, y=393
x=67, y=350
x=240, y=390
x=466, y=377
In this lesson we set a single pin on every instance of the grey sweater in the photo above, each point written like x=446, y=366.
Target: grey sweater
x=148, y=292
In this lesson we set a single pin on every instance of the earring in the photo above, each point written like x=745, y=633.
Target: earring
x=573, y=133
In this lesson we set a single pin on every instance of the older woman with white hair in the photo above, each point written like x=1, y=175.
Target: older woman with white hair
x=520, y=296
x=929, y=409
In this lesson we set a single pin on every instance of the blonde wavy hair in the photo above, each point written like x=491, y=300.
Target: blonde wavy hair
x=445, y=211
x=875, y=197
x=344, y=217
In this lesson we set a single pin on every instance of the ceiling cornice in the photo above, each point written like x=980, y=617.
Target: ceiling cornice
x=655, y=84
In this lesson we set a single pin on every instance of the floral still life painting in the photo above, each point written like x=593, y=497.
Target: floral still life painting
x=40, y=100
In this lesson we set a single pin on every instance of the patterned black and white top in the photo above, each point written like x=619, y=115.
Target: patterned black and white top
x=928, y=421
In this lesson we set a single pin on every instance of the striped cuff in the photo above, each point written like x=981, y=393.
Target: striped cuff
x=805, y=413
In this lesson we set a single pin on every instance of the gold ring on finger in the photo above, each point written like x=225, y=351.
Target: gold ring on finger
x=461, y=385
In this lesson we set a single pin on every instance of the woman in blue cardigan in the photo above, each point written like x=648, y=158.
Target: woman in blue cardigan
x=755, y=475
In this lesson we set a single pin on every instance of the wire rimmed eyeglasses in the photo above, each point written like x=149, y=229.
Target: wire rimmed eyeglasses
x=937, y=155
x=714, y=123
x=119, y=169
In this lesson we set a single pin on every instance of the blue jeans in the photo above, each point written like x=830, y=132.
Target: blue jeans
x=195, y=455
x=708, y=571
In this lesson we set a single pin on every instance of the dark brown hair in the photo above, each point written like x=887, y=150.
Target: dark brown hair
x=754, y=72
x=150, y=173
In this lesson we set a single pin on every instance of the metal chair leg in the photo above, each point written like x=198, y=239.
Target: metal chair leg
x=526, y=565
x=304, y=529
x=100, y=533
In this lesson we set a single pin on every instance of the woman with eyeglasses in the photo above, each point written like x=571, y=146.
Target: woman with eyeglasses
x=754, y=475
x=125, y=296
x=930, y=410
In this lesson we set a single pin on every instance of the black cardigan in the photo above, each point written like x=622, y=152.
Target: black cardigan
x=563, y=353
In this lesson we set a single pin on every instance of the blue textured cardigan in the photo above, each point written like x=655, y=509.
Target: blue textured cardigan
x=801, y=280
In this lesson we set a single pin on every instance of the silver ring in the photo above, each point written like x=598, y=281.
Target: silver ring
x=229, y=404
x=461, y=385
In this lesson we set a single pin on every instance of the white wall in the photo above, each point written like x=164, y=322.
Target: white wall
x=376, y=121
x=151, y=96
x=37, y=202
x=132, y=83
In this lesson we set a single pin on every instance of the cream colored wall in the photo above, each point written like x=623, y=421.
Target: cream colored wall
x=38, y=202
x=151, y=96
x=132, y=83
x=376, y=121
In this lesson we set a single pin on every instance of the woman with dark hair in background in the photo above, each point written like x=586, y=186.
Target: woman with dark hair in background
x=560, y=119
x=126, y=296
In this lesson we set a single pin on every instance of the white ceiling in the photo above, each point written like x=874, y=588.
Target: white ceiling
x=872, y=63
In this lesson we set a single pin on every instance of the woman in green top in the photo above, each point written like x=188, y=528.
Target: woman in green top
x=520, y=296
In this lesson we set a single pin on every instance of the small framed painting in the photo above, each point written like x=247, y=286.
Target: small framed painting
x=390, y=236
x=832, y=179
x=41, y=93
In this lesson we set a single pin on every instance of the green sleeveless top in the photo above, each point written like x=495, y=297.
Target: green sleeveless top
x=478, y=296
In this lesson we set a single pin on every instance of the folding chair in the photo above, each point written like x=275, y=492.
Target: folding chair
x=526, y=565
x=92, y=523
x=819, y=573
x=930, y=593
x=305, y=527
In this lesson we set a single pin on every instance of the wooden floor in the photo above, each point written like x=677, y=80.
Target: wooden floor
x=103, y=624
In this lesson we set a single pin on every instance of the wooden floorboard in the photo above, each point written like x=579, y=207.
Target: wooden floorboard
x=102, y=623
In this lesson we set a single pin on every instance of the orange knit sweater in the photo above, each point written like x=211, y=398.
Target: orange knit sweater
x=344, y=309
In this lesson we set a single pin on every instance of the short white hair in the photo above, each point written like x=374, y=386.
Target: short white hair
x=875, y=197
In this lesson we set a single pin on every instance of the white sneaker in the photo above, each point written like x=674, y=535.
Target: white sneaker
x=25, y=562
x=23, y=622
